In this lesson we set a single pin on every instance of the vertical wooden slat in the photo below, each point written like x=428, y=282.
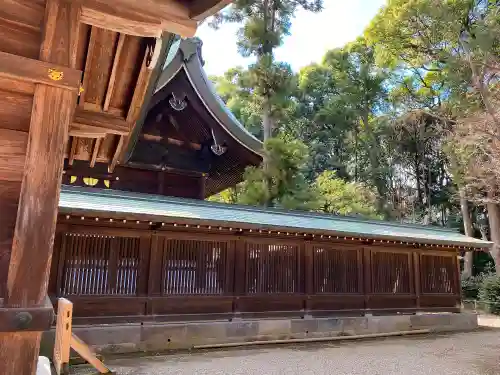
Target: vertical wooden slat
x=61, y=269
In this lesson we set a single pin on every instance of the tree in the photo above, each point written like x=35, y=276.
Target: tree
x=345, y=198
x=264, y=25
x=281, y=183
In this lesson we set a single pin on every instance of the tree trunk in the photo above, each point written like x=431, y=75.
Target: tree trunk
x=464, y=206
x=267, y=121
x=267, y=124
x=494, y=220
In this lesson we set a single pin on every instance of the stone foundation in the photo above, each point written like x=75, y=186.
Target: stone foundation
x=158, y=337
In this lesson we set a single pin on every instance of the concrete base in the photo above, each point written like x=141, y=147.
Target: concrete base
x=155, y=337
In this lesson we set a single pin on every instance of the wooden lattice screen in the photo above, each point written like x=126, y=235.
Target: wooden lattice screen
x=335, y=270
x=272, y=268
x=391, y=272
x=438, y=274
x=99, y=265
x=194, y=267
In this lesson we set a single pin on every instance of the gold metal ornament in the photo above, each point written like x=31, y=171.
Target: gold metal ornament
x=55, y=74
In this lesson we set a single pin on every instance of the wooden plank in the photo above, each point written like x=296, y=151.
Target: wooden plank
x=112, y=78
x=87, y=354
x=62, y=343
x=13, y=146
x=86, y=75
x=36, y=71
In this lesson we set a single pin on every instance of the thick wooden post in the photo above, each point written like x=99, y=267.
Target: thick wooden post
x=33, y=239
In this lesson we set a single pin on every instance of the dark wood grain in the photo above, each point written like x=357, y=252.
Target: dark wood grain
x=53, y=107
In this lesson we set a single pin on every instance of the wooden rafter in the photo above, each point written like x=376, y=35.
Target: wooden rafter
x=95, y=152
x=72, y=151
x=140, y=89
x=112, y=78
x=86, y=74
x=117, y=154
x=172, y=141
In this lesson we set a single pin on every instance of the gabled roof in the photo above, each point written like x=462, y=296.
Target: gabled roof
x=185, y=54
x=151, y=207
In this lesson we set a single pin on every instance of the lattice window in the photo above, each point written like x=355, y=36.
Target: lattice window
x=438, y=274
x=335, y=271
x=194, y=267
x=99, y=265
x=390, y=272
x=272, y=268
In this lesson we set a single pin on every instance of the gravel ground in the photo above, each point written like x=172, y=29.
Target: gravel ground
x=475, y=353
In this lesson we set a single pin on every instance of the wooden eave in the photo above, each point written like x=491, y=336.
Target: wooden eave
x=204, y=119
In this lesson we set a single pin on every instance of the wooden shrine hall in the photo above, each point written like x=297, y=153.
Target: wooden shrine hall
x=105, y=113
x=185, y=143
x=76, y=82
x=129, y=257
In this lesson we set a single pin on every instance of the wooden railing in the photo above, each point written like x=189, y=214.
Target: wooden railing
x=131, y=275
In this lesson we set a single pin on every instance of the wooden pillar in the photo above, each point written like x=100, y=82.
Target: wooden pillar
x=33, y=238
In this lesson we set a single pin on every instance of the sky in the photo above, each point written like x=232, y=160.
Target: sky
x=312, y=34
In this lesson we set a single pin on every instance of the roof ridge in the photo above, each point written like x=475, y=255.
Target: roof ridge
x=202, y=203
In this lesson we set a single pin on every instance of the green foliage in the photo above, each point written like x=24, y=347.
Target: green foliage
x=280, y=182
x=264, y=25
x=345, y=198
x=471, y=286
x=489, y=293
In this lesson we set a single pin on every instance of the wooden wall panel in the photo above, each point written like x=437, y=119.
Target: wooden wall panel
x=15, y=106
x=9, y=197
x=13, y=146
x=100, y=54
x=20, y=27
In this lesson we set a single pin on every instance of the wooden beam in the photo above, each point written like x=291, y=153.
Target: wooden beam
x=147, y=18
x=201, y=9
x=35, y=71
x=88, y=60
x=117, y=154
x=105, y=19
x=86, y=120
x=38, y=202
x=95, y=152
x=140, y=90
x=171, y=141
x=112, y=78
x=72, y=151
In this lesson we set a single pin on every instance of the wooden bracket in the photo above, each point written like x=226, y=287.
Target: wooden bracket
x=35, y=319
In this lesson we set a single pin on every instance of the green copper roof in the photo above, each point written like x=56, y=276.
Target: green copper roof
x=152, y=207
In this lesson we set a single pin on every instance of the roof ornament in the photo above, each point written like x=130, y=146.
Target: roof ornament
x=217, y=148
x=176, y=103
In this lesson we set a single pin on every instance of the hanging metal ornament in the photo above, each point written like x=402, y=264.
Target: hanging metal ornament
x=176, y=103
x=217, y=148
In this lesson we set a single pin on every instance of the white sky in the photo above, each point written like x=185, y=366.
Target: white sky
x=341, y=21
